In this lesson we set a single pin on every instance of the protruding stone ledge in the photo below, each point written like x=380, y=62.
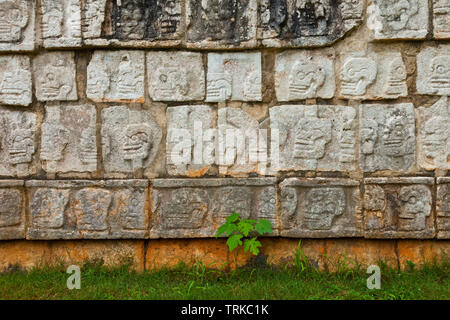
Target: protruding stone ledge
x=195, y=208
x=11, y=183
x=320, y=208
x=399, y=208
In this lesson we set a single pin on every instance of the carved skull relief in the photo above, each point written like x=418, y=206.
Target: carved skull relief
x=440, y=72
x=357, y=74
x=396, y=14
x=13, y=19
x=416, y=207
x=187, y=209
x=305, y=79
x=322, y=206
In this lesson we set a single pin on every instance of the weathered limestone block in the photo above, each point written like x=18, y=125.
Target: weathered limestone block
x=376, y=75
x=443, y=207
x=241, y=145
x=69, y=139
x=88, y=209
x=175, y=76
x=92, y=18
x=434, y=136
x=441, y=19
x=306, y=23
x=315, y=137
x=17, y=143
x=234, y=76
x=398, y=208
x=130, y=139
x=320, y=208
x=116, y=76
x=61, y=23
x=433, y=71
x=393, y=19
x=12, y=210
x=387, y=137
x=15, y=80
x=54, y=75
x=304, y=75
x=17, y=25
x=195, y=208
x=190, y=140
x=221, y=23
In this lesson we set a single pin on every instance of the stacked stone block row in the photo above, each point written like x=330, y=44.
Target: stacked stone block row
x=384, y=208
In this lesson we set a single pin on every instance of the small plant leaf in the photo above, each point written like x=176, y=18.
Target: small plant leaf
x=233, y=217
x=227, y=228
x=234, y=241
x=263, y=226
x=252, y=245
x=245, y=226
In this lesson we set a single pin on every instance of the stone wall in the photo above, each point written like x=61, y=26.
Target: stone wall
x=116, y=118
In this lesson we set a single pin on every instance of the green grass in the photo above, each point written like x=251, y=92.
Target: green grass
x=263, y=282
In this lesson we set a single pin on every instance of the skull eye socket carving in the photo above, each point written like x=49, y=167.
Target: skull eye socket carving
x=357, y=74
x=322, y=206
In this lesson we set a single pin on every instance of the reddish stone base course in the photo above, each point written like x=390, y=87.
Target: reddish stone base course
x=329, y=254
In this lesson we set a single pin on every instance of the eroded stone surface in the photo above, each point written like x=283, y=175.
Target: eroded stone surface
x=61, y=23
x=234, y=76
x=12, y=214
x=187, y=127
x=221, y=23
x=18, y=144
x=116, y=76
x=130, y=139
x=90, y=212
x=387, y=137
x=313, y=137
x=443, y=208
x=433, y=71
x=188, y=208
x=320, y=208
x=92, y=18
x=441, y=19
x=392, y=19
x=54, y=76
x=398, y=209
x=175, y=76
x=69, y=139
x=434, y=136
x=305, y=75
x=15, y=80
x=306, y=23
x=375, y=75
x=17, y=25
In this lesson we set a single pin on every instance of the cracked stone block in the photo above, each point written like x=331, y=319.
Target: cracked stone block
x=130, y=139
x=314, y=137
x=221, y=23
x=12, y=210
x=398, y=208
x=241, y=143
x=443, y=208
x=434, y=136
x=17, y=25
x=15, y=80
x=234, y=76
x=306, y=23
x=433, y=71
x=195, y=208
x=61, y=23
x=393, y=19
x=116, y=76
x=175, y=76
x=190, y=141
x=69, y=139
x=87, y=210
x=320, y=208
x=373, y=76
x=17, y=143
x=54, y=76
x=441, y=19
x=387, y=137
x=305, y=74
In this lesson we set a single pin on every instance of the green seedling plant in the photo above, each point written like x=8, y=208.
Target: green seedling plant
x=241, y=232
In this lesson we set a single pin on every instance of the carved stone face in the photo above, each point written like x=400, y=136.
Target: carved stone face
x=397, y=76
x=234, y=199
x=416, y=206
x=13, y=19
x=305, y=79
x=440, y=72
x=92, y=209
x=21, y=146
x=11, y=201
x=56, y=83
x=187, y=209
x=219, y=86
x=131, y=20
x=172, y=81
x=48, y=206
x=322, y=206
x=138, y=141
x=368, y=136
x=434, y=138
x=374, y=198
x=396, y=13
x=311, y=137
x=357, y=74
x=395, y=135
x=52, y=21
